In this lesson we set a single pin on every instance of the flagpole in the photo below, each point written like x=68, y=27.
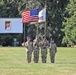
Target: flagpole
x=24, y=34
x=37, y=29
x=45, y=21
x=25, y=27
x=45, y=29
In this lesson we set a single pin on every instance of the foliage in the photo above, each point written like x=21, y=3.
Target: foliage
x=59, y=16
x=55, y=10
x=69, y=23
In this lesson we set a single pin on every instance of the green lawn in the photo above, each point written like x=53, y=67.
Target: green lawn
x=13, y=62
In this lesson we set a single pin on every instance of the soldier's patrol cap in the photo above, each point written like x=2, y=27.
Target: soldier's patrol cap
x=29, y=37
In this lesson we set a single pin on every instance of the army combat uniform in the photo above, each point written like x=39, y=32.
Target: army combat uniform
x=44, y=45
x=53, y=50
x=29, y=46
x=36, y=50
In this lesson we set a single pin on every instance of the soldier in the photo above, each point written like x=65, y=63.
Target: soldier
x=36, y=50
x=44, y=45
x=53, y=50
x=29, y=46
x=50, y=38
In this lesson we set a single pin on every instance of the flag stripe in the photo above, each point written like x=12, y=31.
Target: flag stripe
x=25, y=16
x=30, y=16
x=33, y=18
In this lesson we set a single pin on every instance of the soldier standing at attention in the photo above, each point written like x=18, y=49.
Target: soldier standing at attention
x=29, y=46
x=44, y=45
x=53, y=50
x=50, y=38
x=36, y=50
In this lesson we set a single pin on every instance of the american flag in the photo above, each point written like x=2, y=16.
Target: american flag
x=30, y=16
x=25, y=16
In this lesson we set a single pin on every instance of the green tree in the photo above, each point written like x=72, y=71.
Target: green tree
x=69, y=23
x=55, y=14
x=11, y=8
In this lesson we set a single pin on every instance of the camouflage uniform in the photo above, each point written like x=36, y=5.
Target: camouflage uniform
x=44, y=45
x=36, y=51
x=29, y=51
x=53, y=50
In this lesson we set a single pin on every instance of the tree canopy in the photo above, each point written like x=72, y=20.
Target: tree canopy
x=69, y=23
x=61, y=17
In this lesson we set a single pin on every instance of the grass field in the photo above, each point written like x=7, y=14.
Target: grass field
x=13, y=62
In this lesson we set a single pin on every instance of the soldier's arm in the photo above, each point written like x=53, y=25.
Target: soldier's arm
x=26, y=44
x=48, y=44
x=33, y=43
x=55, y=48
x=40, y=43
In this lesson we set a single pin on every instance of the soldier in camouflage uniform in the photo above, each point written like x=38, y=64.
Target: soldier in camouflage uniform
x=29, y=46
x=50, y=38
x=44, y=45
x=53, y=50
x=36, y=50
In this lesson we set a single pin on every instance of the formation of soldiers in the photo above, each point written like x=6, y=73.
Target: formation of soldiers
x=43, y=45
